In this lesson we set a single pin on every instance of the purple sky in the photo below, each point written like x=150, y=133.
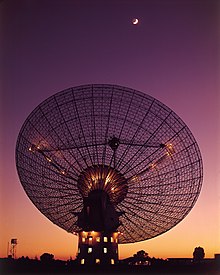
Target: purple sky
x=172, y=55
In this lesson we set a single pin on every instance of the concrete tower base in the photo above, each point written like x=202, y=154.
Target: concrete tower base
x=97, y=248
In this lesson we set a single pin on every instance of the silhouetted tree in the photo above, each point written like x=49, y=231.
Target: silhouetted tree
x=47, y=257
x=198, y=254
x=141, y=257
x=24, y=259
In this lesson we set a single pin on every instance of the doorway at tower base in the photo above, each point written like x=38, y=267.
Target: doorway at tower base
x=97, y=248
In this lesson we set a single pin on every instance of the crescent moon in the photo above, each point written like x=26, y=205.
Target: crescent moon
x=135, y=21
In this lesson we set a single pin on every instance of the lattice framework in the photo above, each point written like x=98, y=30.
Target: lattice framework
x=117, y=127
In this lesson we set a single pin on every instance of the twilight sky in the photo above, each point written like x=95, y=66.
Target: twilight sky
x=172, y=54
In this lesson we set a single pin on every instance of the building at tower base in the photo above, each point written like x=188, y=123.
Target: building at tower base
x=97, y=248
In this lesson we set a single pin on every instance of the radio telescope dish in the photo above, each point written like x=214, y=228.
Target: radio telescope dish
x=116, y=144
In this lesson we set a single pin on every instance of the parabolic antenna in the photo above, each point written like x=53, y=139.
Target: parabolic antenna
x=113, y=145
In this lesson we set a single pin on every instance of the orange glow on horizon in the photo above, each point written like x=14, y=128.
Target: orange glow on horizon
x=36, y=234
x=46, y=237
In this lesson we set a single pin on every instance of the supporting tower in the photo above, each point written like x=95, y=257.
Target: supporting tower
x=102, y=187
x=98, y=242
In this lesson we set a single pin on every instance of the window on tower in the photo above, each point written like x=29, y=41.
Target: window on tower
x=82, y=261
x=105, y=249
x=90, y=240
x=105, y=239
x=97, y=261
x=90, y=250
